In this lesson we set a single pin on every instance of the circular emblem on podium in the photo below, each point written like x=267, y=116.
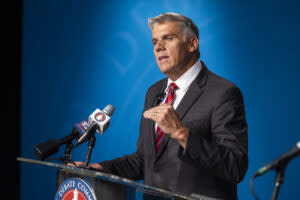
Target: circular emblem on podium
x=99, y=116
x=75, y=189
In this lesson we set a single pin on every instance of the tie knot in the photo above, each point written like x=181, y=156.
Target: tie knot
x=173, y=86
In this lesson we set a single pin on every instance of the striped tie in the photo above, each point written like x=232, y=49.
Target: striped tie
x=170, y=100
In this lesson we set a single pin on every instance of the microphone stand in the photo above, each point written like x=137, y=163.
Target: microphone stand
x=280, y=172
x=90, y=148
x=68, y=149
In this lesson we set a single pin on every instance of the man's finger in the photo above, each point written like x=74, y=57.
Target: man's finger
x=154, y=114
x=149, y=114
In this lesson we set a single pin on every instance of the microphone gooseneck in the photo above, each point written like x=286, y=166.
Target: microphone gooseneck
x=279, y=164
x=46, y=149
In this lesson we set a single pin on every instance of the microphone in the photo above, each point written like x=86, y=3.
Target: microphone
x=159, y=99
x=46, y=149
x=281, y=160
x=98, y=121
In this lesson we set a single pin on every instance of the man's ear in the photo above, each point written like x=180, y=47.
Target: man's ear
x=193, y=44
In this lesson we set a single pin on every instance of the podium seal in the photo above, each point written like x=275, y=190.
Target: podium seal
x=75, y=189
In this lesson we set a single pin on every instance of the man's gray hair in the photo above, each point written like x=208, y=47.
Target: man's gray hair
x=187, y=26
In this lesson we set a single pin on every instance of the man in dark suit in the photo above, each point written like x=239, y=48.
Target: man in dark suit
x=193, y=132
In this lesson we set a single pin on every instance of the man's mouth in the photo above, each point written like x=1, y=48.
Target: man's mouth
x=161, y=58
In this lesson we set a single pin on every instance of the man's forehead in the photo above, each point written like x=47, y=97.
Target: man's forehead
x=165, y=28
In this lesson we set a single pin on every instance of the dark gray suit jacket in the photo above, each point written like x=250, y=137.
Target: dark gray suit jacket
x=215, y=158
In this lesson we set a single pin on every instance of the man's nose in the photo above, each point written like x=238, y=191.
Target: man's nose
x=159, y=46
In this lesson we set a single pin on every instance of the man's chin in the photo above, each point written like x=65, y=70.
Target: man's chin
x=164, y=70
x=165, y=67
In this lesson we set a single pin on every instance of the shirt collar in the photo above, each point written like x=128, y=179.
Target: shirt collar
x=185, y=80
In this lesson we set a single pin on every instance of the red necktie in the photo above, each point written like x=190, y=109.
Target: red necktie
x=170, y=100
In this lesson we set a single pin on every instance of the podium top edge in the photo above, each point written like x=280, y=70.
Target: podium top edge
x=113, y=178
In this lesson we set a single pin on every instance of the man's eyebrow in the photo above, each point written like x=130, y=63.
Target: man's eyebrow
x=169, y=34
x=165, y=35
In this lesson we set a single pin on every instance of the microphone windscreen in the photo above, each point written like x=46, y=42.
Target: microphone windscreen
x=109, y=110
x=43, y=150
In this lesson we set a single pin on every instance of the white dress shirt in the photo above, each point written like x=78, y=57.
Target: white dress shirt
x=183, y=82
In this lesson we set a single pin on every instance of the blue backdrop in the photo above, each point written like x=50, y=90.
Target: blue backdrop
x=81, y=55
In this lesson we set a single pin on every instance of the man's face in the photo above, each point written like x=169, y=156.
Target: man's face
x=170, y=49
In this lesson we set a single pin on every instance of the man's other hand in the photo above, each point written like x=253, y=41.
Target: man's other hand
x=96, y=166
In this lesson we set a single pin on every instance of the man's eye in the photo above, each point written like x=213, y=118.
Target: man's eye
x=154, y=42
x=169, y=38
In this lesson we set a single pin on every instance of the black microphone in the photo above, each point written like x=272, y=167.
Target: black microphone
x=98, y=121
x=281, y=160
x=46, y=149
x=159, y=99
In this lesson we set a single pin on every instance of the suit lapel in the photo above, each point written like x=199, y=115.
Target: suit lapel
x=193, y=92
x=188, y=100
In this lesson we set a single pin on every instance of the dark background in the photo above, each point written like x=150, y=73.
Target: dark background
x=11, y=13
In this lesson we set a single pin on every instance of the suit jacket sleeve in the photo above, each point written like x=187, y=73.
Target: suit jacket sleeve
x=225, y=151
x=128, y=166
